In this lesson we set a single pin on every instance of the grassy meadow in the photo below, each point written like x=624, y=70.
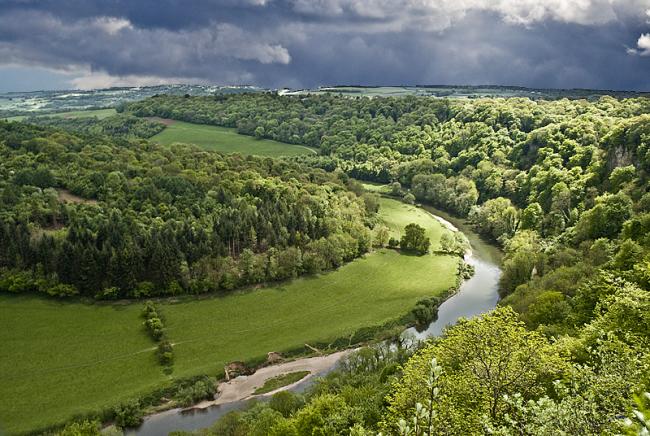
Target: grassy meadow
x=226, y=140
x=59, y=359
x=396, y=215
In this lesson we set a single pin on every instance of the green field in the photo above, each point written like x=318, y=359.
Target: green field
x=396, y=215
x=59, y=359
x=226, y=140
x=280, y=381
x=99, y=113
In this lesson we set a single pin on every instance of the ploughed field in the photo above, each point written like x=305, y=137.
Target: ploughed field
x=225, y=140
x=59, y=358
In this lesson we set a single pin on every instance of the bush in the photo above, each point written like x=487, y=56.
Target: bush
x=466, y=271
x=393, y=243
x=165, y=353
x=62, y=290
x=144, y=289
x=286, y=402
x=83, y=428
x=425, y=311
x=389, y=370
x=17, y=282
x=149, y=310
x=202, y=389
x=128, y=414
x=112, y=293
x=153, y=323
x=409, y=198
x=155, y=327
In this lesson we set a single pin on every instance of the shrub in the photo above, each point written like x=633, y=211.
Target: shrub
x=112, y=293
x=409, y=198
x=165, y=353
x=83, y=428
x=62, y=290
x=155, y=327
x=201, y=390
x=425, y=311
x=144, y=289
x=17, y=281
x=149, y=309
x=286, y=402
x=128, y=414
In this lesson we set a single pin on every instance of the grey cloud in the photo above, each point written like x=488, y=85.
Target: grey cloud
x=437, y=15
x=305, y=43
x=116, y=46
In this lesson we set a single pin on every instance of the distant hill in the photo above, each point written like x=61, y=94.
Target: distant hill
x=29, y=103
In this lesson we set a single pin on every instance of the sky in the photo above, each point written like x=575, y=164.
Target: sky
x=70, y=44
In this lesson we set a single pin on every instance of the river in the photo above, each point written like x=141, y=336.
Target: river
x=477, y=295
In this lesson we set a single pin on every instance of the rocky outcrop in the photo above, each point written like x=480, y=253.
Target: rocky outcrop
x=236, y=369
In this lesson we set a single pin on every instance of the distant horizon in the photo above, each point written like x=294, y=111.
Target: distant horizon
x=350, y=85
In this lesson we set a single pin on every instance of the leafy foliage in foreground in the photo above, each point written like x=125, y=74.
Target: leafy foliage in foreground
x=488, y=375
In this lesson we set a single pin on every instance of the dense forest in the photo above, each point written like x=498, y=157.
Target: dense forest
x=111, y=217
x=124, y=126
x=561, y=185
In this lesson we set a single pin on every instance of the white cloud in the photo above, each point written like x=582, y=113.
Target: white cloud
x=112, y=25
x=436, y=15
x=87, y=79
x=643, y=46
x=98, y=80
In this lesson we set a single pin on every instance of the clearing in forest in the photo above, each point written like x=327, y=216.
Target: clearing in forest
x=226, y=140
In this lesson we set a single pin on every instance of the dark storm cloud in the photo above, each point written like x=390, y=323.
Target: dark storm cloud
x=304, y=43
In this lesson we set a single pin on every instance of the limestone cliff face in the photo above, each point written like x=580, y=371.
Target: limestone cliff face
x=627, y=143
x=619, y=156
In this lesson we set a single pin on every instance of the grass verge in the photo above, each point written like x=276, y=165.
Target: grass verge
x=280, y=381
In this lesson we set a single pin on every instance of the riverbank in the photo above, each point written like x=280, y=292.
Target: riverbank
x=476, y=295
x=243, y=387
x=235, y=394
